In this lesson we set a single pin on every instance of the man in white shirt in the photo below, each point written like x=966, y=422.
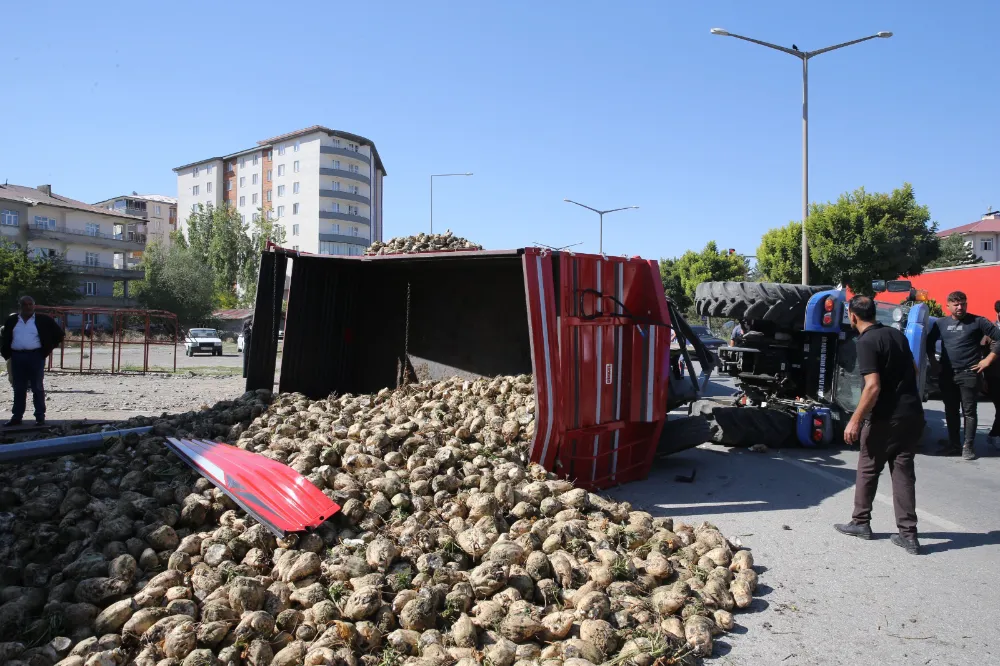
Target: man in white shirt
x=27, y=340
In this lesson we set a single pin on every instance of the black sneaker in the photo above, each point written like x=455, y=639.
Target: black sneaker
x=855, y=530
x=968, y=453
x=12, y=423
x=40, y=422
x=909, y=544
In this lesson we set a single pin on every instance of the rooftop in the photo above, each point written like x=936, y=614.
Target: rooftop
x=155, y=198
x=32, y=196
x=239, y=313
x=989, y=224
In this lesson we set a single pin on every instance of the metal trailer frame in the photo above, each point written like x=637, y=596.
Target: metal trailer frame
x=119, y=320
x=593, y=330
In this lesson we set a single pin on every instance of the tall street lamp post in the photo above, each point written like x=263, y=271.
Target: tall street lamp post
x=440, y=175
x=804, y=56
x=602, y=214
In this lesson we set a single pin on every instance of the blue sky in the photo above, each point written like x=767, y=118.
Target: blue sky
x=611, y=104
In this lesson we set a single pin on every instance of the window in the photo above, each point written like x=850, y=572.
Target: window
x=336, y=164
x=354, y=231
x=269, y=175
x=352, y=210
x=281, y=212
x=195, y=172
x=353, y=168
x=194, y=190
x=269, y=195
x=90, y=288
x=194, y=208
x=253, y=198
x=243, y=218
x=281, y=149
x=9, y=218
x=255, y=159
x=267, y=155
x=208, y=170
x=43, y=253
x=352, y=146
x=44, y=222
x=335, y=207
x=93, y=229
x=243, y=163
x=93, y=258
x=281, y=190
x=229, y=186
x=335, y=186
x=986, y=244
x=243, y=181
x=243, y=201
x=296, y=148
x=253, y=179
x=336, y=142
x=354, y=189
x=295, y=187
x=157, y=208
x=295, y=166
x=255, y=217
x=295, y=228
x=281, y=169
x=336, y=228
x=230, y=167
x=295, y=247
x=208, y=188
x=295, y=209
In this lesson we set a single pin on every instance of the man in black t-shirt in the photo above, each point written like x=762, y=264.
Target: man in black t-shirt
x=888, y=424
x=962, y=362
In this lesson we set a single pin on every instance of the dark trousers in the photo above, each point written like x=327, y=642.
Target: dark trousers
x=993, y=390
x=27, y=367
x=960, y=389
x=885, y=442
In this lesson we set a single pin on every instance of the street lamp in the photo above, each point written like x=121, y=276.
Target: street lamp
x=804, y=56
x=601, y=213
x=440, y=175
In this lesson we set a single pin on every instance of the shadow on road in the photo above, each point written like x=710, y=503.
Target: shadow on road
x=958, y=540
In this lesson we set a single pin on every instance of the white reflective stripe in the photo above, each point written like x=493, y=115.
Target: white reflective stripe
x=620, y=295
x=652, y=372
x=548, y=361
x=598, y=366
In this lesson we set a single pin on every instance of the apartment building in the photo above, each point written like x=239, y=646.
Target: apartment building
x=983, y=235
x=93, y=240
x=324, y=186
x=157, y=216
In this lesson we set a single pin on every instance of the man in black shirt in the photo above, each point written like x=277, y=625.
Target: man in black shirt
x=962, y=362
x=888, y=424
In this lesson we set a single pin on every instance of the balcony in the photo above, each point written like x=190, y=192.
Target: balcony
x=106, y=270
x=344, y=173
x=131, y=241
x=346, y=196
x=345, y=217
x=345, y=152
x=343, y=238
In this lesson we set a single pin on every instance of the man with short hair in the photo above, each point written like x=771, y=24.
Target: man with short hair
x=962, y=362
x=736, y=336
x=27, y=340
x=887, y=424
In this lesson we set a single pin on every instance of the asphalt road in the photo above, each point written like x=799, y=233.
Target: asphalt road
x=830, y=599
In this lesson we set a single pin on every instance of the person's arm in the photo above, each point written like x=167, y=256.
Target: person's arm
x=868, y=367
x=993, y=333
x=932, y=337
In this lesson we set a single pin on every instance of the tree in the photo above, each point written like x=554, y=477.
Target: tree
x=262, y=229
x=177, y=281
x=864, y=237
x=779, y=257
x=48, y=280
x=681, y=276
x=218, y=236
x=955, y=251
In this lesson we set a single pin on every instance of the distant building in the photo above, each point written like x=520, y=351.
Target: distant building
x=983, y=235
x=158, y=211
x=323, y=186
x=93, y=240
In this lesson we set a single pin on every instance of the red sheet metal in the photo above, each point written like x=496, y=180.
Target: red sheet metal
x=280, y=498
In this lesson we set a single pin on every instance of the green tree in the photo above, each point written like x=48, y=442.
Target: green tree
x=218, y=236
x=177, y=281
x=779, y=257
x=672, y=284
x=681, y=276
x=48, y=280
x=863, y=237
x=955, y=252
x=262, y=229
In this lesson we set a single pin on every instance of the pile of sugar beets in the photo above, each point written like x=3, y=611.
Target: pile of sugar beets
x=422, y=243
x=449, y=549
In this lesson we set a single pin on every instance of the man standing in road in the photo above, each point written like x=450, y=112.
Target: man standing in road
x=961, y=364
x=888, y=424
x=28, y=339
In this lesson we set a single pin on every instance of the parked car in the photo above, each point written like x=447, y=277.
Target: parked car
x=203, y=341
x=708, y=338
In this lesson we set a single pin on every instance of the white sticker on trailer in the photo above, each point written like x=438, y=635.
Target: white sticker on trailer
x=608, y=374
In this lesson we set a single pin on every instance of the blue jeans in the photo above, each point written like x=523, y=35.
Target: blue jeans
x=27, y=368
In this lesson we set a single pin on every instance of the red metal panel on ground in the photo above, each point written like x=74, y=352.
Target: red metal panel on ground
x=280, y=498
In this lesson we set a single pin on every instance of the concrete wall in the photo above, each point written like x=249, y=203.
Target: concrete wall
x=209, y=171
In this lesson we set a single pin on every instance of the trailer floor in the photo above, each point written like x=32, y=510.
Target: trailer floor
x=830, y=599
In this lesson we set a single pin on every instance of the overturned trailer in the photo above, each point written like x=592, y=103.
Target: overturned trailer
x=593, y=330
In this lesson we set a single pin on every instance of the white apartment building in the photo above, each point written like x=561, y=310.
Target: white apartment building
x=323, y=186
x=157, y=213
x=983, y=235
x=93, y=240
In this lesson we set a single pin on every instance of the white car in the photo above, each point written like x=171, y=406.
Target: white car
x=203, y=341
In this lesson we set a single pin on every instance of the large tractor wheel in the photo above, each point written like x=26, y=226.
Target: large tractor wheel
x=782, y=304
x=745, y=426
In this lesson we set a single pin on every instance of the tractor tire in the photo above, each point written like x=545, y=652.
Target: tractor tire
x=784, y=305
x=745, y=426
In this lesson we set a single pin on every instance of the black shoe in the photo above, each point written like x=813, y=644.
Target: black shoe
x=12, y=423
x=40, y=422
x=909, y=544
x=855, y=530
x=948, y=451
x=968, y=453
